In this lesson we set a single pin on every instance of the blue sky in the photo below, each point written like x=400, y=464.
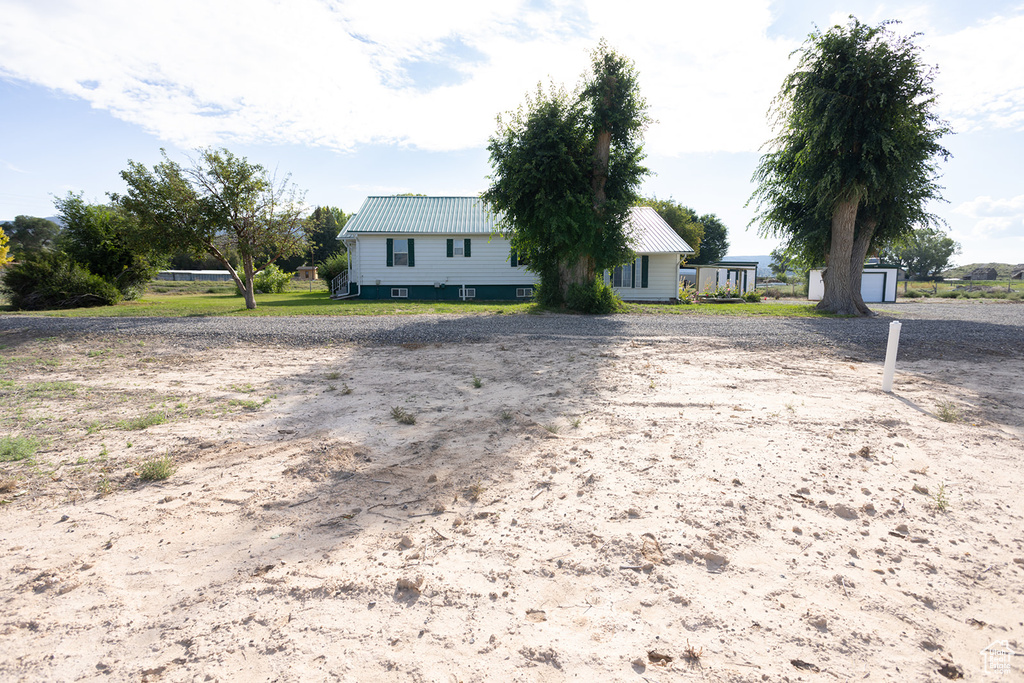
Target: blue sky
x=366, y=97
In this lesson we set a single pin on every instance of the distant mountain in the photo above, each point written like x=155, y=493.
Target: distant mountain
x=54, y=219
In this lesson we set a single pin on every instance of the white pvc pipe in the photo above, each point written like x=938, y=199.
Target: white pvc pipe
x=890, y=355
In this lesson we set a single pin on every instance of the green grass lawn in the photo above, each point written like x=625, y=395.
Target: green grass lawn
x=298, y=302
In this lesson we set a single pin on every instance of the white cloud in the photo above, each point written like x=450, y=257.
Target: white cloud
x=990, y=217
x=333, y=74
x=981, y=74
x=196, y=72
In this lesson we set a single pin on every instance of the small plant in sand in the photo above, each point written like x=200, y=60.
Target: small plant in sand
x=576, y=422
x=104, y=488
x=333, y=375
x=9, y=484
x=14, y=448
x=345, y=389
x=156, y=469
x=691, y=654
x=506, y=415
x=143, y=421
x=948, y=412
x=402, y=416
x=941, y=499
x=477, y=382
x=553, y=428
x=475, y=490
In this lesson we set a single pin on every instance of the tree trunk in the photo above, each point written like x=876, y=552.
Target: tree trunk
x=858, y=254
x=599, y=172
x=250, y=274
x=838, y=296
x=579, y=272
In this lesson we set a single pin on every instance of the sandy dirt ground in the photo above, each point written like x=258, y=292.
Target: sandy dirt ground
x=648, y=511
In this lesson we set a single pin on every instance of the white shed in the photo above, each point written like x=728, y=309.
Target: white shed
x=739, y=276
x=877, y=284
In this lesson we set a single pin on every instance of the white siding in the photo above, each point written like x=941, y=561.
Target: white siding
x=488, y=263
x=662, y=280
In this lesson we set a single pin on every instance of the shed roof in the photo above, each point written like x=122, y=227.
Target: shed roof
x=469, y=215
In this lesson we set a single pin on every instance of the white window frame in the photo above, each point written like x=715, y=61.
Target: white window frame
x=467, y=293
x=624, y=274
x=399, y=292
x=404, y=252
x=524, y=292
x=458, y=250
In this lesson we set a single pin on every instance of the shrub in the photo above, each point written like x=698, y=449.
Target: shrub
x=50, y=279
x=595, y=298
x=272, y=280
x=14, y=448
x=913, y=294
x=753, y=296
x=157, y=469
x=333, y=266
x=773, y=292
x=687, y=293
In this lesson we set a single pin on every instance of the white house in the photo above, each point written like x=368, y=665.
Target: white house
x=654, y=275
x=877, y=284
x=446, y=248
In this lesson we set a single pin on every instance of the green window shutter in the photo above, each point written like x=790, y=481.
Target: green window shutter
x=644, y=263
x=467, y=247
x=632, y=275
x=515, y=259
x=451, y=248
x=391, y=252
x=412, y=254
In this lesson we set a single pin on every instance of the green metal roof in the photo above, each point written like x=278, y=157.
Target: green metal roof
x=469, y=216
x=422, y=215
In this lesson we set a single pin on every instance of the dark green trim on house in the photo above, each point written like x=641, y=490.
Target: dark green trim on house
x=644, y=263
x=450, y=247
x=391, y=253
x=445, y=292
x=515, y=259
x=465, y=251
x=412, y=252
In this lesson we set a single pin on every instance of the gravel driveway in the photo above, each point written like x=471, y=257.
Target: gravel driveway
x=959, y=330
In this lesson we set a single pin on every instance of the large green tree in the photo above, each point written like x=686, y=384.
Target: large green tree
x=28, y=233
x=322, y=228
x=716, y=240
x=566, y=170
x=218, y=202
x=104, y=239
x=682, y=219
x=923, y=253
x=853, y=164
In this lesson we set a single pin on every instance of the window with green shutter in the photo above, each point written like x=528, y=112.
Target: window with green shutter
x=466, y=242
x=450, y=248
x=644, y=265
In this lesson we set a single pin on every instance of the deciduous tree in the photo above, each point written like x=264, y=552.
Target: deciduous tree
x=218, y=201
x=854, y=161
x=923, y=253
x=567, y=168
x=716, y=240
x=104, y=240
x=28, y=233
